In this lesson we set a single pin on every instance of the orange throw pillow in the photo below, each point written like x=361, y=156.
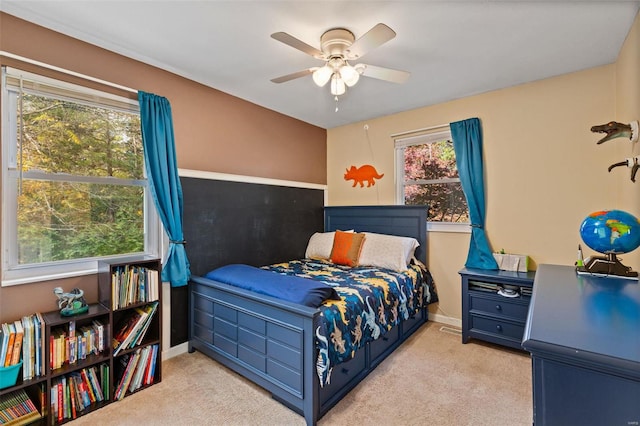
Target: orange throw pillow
x=346, y=248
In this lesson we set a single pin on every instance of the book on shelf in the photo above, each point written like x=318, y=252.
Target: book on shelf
x=10, y=330
x=133, y=284
x=135, y=370
x=17, y=343
x=41, y=347
x=16, y=408
x=127, y=364
x=151, y=368
x=68, y=344
x=28, y=343
x=133, y=327
x=73, y=393
x=33, y=347
x=12, y=340
x=4, y=342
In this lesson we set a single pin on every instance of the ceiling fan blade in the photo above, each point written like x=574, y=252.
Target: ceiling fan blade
x=388, y=74
x=294, y=75
x=298, y=44
x=373, y=38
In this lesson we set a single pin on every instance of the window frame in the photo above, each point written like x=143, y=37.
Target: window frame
x=419, y=139
x=12, y=272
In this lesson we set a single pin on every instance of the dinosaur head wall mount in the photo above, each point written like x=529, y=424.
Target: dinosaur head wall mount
x=613, y=130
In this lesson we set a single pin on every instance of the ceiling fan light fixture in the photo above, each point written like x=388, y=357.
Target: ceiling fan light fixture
x=337, y=85
x=349, y=75
x=322, y=75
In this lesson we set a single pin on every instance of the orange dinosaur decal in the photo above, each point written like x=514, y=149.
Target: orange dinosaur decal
x=361, y=174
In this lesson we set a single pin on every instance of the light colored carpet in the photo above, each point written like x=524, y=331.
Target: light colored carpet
x=432, y=379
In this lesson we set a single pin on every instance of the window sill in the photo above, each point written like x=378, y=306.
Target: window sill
x=35, y=274
x=462, y=228
x=48, y=277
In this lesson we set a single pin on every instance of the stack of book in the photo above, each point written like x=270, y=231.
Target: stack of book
x=68, y=345
x=135, y=370
x=16, y=408
x=12, y=334
x=23, y=339
x=133, y=284
x=74, y=393
x=133, y=327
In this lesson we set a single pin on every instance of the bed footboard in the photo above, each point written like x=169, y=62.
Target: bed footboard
x=272, y=343
x=266, y=340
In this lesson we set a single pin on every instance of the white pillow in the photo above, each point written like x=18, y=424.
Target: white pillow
x=387, y=251
x=320, y=245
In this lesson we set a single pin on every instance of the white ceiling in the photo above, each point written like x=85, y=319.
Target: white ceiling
x=453, y=49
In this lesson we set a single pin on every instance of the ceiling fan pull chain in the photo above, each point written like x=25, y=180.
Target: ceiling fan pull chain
x=336, y=99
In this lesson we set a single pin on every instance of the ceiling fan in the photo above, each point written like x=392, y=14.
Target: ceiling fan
x=338, y=46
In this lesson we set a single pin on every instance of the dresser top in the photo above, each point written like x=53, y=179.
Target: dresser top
x=499, y=275
x=589, y=317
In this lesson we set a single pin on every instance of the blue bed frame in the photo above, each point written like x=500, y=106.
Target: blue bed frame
x=272, y=343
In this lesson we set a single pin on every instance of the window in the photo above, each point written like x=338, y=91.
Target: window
x=427, y=174
x=73, y=185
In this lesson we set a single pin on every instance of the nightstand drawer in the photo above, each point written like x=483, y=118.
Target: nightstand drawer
x=498, y=305
x=497, y=327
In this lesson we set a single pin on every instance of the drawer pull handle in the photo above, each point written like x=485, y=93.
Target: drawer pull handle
x=345, y=370
x=385, y=339
x=499, y=327
x=498, y=308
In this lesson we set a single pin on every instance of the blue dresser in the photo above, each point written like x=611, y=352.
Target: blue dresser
x=490, y=314
x=583, y=333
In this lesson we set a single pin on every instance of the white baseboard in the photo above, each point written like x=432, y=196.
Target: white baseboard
x=180, y=349
x=445, y=320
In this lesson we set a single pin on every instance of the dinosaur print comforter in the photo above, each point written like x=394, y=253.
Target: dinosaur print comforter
x=372, y=301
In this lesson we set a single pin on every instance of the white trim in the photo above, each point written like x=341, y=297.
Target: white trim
x=248, y=179
x=443, y=319
x=65, y=71
x=424, y=138
x=462, y=228
x=174, y=351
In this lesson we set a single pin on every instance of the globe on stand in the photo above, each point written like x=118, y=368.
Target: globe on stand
x=610, y=232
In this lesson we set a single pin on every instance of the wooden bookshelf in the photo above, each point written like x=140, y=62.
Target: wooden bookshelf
x=29, y=384
x=102, y=367
x=143, y=285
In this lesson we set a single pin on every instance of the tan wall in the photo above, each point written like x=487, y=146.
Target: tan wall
x=214, y=131
x=628, y=109
x=544, y=172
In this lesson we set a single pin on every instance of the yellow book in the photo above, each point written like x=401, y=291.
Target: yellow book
x=12, y=337
x=17, y=345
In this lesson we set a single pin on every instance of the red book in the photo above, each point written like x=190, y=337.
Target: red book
x=60, y=404
x=72, y=396
x=87, y=383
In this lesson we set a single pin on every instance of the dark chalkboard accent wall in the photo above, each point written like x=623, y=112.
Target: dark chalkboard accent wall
x=234, y=222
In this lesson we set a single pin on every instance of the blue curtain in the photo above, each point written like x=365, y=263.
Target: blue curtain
x=162, y=171
x=467, y=142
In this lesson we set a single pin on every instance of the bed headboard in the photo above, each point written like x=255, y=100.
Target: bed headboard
x=404, y=221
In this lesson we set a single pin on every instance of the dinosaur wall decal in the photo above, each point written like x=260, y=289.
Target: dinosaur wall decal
x=613, y=130
x=361, y=174
x=633, y=163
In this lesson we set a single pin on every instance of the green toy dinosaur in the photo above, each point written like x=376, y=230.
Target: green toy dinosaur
x=613, y=130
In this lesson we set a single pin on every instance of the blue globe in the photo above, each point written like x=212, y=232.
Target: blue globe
x=611, y=231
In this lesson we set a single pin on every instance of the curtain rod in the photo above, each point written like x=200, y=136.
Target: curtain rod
x=424, y=129
x=65, y=71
